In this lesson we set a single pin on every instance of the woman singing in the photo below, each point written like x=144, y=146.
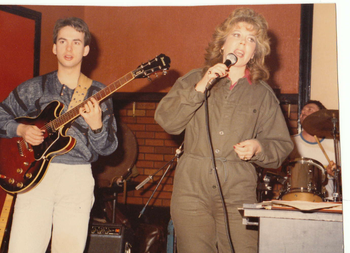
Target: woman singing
x=246, y=126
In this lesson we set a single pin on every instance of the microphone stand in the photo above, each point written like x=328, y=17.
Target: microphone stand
x=178, y=153
x=336, y=182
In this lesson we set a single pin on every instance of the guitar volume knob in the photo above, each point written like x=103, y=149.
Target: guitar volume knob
x=11, y=181
x=20, y=185
x=29, y=175
x=19, y=171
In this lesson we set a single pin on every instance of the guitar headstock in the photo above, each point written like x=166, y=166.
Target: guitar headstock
x=159, y=63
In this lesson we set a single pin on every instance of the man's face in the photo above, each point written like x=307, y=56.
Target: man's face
x=69, y=47
x=307, y=110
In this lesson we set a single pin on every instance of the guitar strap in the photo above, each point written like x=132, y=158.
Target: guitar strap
x=80, y=91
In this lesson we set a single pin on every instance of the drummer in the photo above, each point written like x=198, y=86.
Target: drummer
x=305, y=145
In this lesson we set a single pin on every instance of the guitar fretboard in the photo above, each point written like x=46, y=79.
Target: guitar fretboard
x=99, y=96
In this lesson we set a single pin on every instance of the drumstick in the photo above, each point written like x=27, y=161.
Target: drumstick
x=324, y=152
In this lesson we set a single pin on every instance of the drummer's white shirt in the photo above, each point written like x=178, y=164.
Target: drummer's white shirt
x=313, y=151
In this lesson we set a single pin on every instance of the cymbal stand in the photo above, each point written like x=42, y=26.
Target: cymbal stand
x=178, y=153
x=336, y=182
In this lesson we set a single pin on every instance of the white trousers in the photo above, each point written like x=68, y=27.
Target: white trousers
x=60, y=206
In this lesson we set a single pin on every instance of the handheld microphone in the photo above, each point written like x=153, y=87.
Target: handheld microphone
x=231, y=60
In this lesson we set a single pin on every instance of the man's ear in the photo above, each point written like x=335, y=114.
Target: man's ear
x=54, y=49
x=86, y=50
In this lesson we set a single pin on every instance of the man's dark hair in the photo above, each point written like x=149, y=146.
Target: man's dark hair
x=316, y=102
x=77, y=23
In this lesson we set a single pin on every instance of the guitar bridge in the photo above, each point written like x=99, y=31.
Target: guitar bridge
x=28, y=146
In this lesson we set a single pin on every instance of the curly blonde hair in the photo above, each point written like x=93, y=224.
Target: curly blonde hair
x=258, y=70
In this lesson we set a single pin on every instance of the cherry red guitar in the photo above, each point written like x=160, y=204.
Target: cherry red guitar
x=22, y=166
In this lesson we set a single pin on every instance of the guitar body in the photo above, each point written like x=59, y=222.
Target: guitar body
x=22, y=166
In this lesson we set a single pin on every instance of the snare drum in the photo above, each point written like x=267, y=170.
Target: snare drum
x=305, y=178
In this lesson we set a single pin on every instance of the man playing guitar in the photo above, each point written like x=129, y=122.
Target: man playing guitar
x=58, y=204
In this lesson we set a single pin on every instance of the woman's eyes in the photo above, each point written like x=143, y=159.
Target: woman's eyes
x=238, y=35
x=251, y=39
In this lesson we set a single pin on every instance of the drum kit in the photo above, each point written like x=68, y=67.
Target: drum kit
x=305, y=177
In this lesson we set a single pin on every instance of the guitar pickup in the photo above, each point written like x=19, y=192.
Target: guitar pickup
x=19, y=148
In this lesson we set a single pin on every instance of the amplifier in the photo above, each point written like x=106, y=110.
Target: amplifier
x=109, y=238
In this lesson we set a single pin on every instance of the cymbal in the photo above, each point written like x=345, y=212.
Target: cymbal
x=321, y=124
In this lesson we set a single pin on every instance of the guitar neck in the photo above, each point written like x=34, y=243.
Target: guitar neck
x=159, y=63
x=99, y=96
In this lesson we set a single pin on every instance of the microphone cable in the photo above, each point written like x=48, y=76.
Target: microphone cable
x=228, y=233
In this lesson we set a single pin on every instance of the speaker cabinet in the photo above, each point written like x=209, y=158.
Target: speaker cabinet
x=109, y=238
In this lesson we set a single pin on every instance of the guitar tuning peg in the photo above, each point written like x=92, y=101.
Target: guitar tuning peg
x=165, y=72
x=156, y=74
x=149, y=79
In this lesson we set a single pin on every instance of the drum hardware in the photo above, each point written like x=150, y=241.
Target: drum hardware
x=170, y=164
x=112, y=172
x=263, y=188
x=266, y=182
x=280, y=179
x=304, y=182
x=109, y=168
x=325, y=124
x=336, y=192
x=269, y=177
x=263, y=184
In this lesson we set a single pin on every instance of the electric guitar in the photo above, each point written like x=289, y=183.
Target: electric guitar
x=22, y=165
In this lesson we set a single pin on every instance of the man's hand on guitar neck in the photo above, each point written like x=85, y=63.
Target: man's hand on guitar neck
x=31, y=134
x=92, y=114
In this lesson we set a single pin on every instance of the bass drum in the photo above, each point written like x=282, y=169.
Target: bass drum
x=107, y=169
x=305, y=178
